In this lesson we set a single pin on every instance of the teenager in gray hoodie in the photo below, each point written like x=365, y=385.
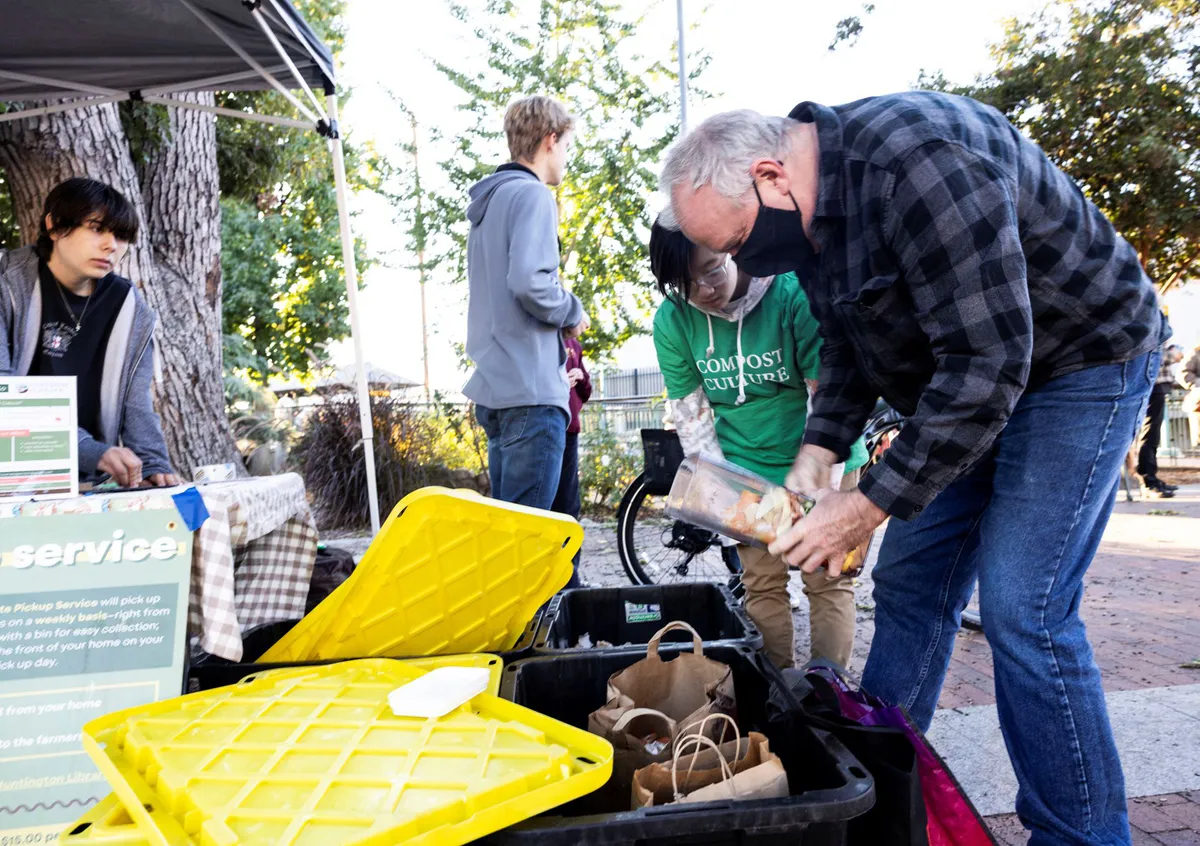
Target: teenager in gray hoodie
x=64, y=312
x=518, y=308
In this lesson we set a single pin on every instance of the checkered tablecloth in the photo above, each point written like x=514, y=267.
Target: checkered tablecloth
x=252, y=560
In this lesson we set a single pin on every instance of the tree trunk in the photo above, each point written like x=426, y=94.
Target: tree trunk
x=40, y=152
x=176, y=203
x=180, y=191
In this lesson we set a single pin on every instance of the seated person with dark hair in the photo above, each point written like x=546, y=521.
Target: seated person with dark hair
x=64, y=312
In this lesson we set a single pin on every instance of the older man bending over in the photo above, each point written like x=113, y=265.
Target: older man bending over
x=960, y=275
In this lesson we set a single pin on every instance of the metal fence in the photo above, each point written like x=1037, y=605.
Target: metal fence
x=1178, y=440
x=624, y=418
x=637, y=383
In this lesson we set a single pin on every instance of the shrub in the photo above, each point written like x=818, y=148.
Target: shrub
x=413, y=448
x=607, y=466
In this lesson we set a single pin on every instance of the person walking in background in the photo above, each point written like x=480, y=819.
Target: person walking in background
x=1189, y=377
x=566, y=501
x=517, y=307
x=1151, y=431
x=738, y=355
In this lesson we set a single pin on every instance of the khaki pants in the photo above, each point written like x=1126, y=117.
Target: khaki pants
x=830, y=605
x=830, y=602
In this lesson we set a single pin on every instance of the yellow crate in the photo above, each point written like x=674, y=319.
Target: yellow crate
x=109, y=823
x=318, y=758
x=449, y=572
x=491, y=663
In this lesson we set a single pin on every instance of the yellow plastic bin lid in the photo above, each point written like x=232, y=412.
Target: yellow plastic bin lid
x=492, y=663
x=109, y=823
x=449, y=572
x=318, y=758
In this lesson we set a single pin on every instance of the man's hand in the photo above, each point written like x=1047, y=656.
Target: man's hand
x=838, y=523
x=812, y=470
x=574, y=376
x=582, y=326
x=164, y=480
x=122, y=465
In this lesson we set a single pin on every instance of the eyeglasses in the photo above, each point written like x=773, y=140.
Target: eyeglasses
x=714, y=277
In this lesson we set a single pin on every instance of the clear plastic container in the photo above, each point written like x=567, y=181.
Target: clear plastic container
x=741, y=505
x=733, y=502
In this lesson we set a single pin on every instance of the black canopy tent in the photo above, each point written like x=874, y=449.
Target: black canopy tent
x=86, y=53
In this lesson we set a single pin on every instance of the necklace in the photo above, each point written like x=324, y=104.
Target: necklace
x=86, y=303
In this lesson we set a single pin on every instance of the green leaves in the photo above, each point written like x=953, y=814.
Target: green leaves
x=1111, y=92
x=626, y=109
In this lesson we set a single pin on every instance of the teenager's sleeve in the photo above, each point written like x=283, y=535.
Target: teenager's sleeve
x=533, y=259
x=142, y=431
x=584, y=389
x=678, y=369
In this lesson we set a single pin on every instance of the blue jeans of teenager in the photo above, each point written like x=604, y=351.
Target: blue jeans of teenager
x=525, y=452
x=1026, y=522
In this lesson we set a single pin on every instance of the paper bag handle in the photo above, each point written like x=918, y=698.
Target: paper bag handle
x=702, y=724
x=697, y=643
x=633, y=713
x=699, y=740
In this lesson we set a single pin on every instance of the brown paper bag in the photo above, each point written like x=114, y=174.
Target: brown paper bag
x=742, y=769
x=681, y=692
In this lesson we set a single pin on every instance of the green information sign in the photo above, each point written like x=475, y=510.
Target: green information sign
x=93, y=619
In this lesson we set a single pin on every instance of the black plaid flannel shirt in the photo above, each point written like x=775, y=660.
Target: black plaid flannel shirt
x=958, y=267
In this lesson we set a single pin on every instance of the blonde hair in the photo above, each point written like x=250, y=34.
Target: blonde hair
x=529, y=120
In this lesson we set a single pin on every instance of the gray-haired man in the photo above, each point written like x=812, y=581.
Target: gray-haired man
x=961, y=276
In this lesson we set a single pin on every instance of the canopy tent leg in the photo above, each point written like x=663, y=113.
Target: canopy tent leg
x=364, y=395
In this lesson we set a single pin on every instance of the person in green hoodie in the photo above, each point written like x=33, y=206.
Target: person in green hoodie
x=738, y=355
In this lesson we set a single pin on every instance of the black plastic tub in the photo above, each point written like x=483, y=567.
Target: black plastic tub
x=828, y=785
x=627, y=617
x=209, y=671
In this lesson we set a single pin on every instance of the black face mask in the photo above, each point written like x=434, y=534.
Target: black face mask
x=777, y=243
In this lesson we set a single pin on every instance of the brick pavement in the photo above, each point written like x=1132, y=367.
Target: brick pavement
x=1172, y=820
x=1140, y=605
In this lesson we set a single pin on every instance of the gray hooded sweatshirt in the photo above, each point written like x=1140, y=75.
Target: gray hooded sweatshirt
x=127, y=415
x=517, y=308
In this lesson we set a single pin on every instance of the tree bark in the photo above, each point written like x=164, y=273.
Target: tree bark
x=180, y=190
x=40, y=152
x=175, y=260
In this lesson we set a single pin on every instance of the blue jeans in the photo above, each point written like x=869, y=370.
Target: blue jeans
x=525, y=452
x=1026, y=522
x=566, y=501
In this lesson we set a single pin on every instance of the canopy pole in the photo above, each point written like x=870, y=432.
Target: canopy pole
x=364, y=395
x=248, y=59
x=62, y=107
x=209, y=82
x=233, y=113
x=257, y=14
x=318, y=60
x=74, y=87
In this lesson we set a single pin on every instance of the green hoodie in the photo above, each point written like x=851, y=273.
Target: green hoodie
x=771, y=339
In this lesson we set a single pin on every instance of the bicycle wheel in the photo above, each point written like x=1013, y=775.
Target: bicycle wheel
x=656, y=549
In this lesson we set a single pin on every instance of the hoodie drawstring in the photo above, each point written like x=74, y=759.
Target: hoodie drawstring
x=708, y=353
x=741, y=363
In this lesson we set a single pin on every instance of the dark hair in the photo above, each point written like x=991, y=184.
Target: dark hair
x=71, y=203
x=671, y=261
